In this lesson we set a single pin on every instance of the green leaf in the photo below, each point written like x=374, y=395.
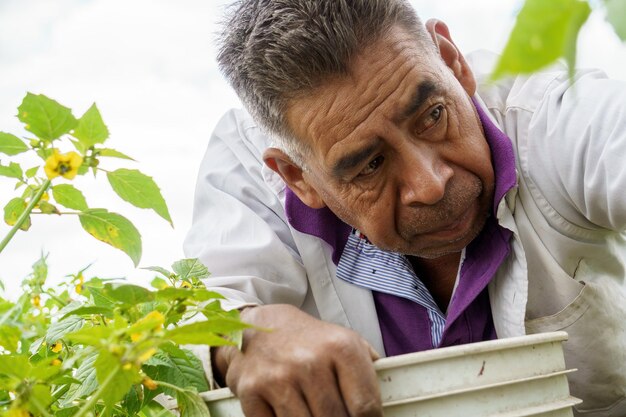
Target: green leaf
x=158, y=269
x=16, y=366
x=129, y=294
x=90, y=310
x=9, y=337
x=544, y=32
x=58, y=330
x=90, y=129
x=182, y=369
x=132, y=400
x=139, y=190
x=45, y=117
x=188, y=269
x=101, y=298
x=86, y=374
x=92, y=336
x=47, y=208
x=112, y=153
x=191, y=404
x=159, y=283
x=206, y=332
x=616, y=15
x=11, y=144
x=39, y=399
x=115, y=379
x=196, y=294
x=113, y=229
x=31, y=172
x=13, y=170
x=68, y=196
x=13, y=210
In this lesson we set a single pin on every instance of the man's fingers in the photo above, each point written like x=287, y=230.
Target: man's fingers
x=288, y=402
x=359, y=384
x=256, y=406
x=324, y=398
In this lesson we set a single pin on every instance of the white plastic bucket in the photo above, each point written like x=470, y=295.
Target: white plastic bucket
x=516, y=377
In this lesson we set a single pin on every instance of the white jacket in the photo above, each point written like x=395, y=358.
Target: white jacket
x=568, y=213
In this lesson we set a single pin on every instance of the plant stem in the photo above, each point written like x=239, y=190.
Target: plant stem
x=31, y=205
x=96, y=396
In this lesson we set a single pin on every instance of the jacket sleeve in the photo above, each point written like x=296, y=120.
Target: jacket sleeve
x=239, y=230
x=577, y=138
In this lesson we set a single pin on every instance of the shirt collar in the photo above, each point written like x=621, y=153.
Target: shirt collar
x=323, y=223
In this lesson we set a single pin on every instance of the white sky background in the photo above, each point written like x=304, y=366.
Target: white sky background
x=150, y=67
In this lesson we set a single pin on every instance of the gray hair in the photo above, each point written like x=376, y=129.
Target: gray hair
x=274, y=51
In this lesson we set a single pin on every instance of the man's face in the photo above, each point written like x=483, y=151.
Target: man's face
x=398, y=151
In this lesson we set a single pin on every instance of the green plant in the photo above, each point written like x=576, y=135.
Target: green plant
x=547, y=30
x=93, y=346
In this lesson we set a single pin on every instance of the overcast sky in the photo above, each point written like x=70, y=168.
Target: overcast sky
x=149, y=65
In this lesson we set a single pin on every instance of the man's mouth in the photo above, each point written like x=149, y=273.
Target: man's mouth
x=457, y=228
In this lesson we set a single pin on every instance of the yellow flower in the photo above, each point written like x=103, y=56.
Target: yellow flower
x=157, y=316
x=65, y=165
x=146, y=355
x=127, y=366
x=135, y=337
x=149, y=383
x=36, y=300
x=56, y=362
x=81, y=281
x=185, y=284
x=56, y=347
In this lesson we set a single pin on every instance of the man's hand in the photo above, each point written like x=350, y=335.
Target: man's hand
x=301, y=367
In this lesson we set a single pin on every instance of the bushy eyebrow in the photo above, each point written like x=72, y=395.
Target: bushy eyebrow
x=353, y=159
x=425, y=90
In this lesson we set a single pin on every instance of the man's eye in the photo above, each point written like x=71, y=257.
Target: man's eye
x=431, y=119
x=372, y=166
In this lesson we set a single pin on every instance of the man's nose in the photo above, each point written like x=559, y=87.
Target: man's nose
x=423, y=178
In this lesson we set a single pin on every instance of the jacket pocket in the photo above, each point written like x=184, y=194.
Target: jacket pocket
x=596, y=324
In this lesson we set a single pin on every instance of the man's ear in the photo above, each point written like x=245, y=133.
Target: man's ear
x=451, y=55
x=294, y=177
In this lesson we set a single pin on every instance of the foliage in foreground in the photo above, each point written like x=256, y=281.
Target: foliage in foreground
x=93, y=346
x=547, y=30
x=96, y=347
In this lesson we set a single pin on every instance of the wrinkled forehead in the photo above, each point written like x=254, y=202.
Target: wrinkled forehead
x=383, y=79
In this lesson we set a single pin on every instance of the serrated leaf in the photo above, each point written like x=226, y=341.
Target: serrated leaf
x=90, y=129
x=183, y=370
x=45, y=117
x=139, y=190
x=69, y=196
x=133, y=400
x=616, y=15
x=13, y=170
x=13, y=210
x=158, y=269
x=544, y=32
x=206, y=332
x=11, y=144
x=114, y=377
x=86, y=374
x=31, y=172
x=101, y=298
x=113, y=229
x=112, y=153
x=129, y=294
x=58, y=330
x=187, y=269
x=191, y=404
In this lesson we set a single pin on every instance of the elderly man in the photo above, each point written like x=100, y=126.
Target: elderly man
x=376, y=203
